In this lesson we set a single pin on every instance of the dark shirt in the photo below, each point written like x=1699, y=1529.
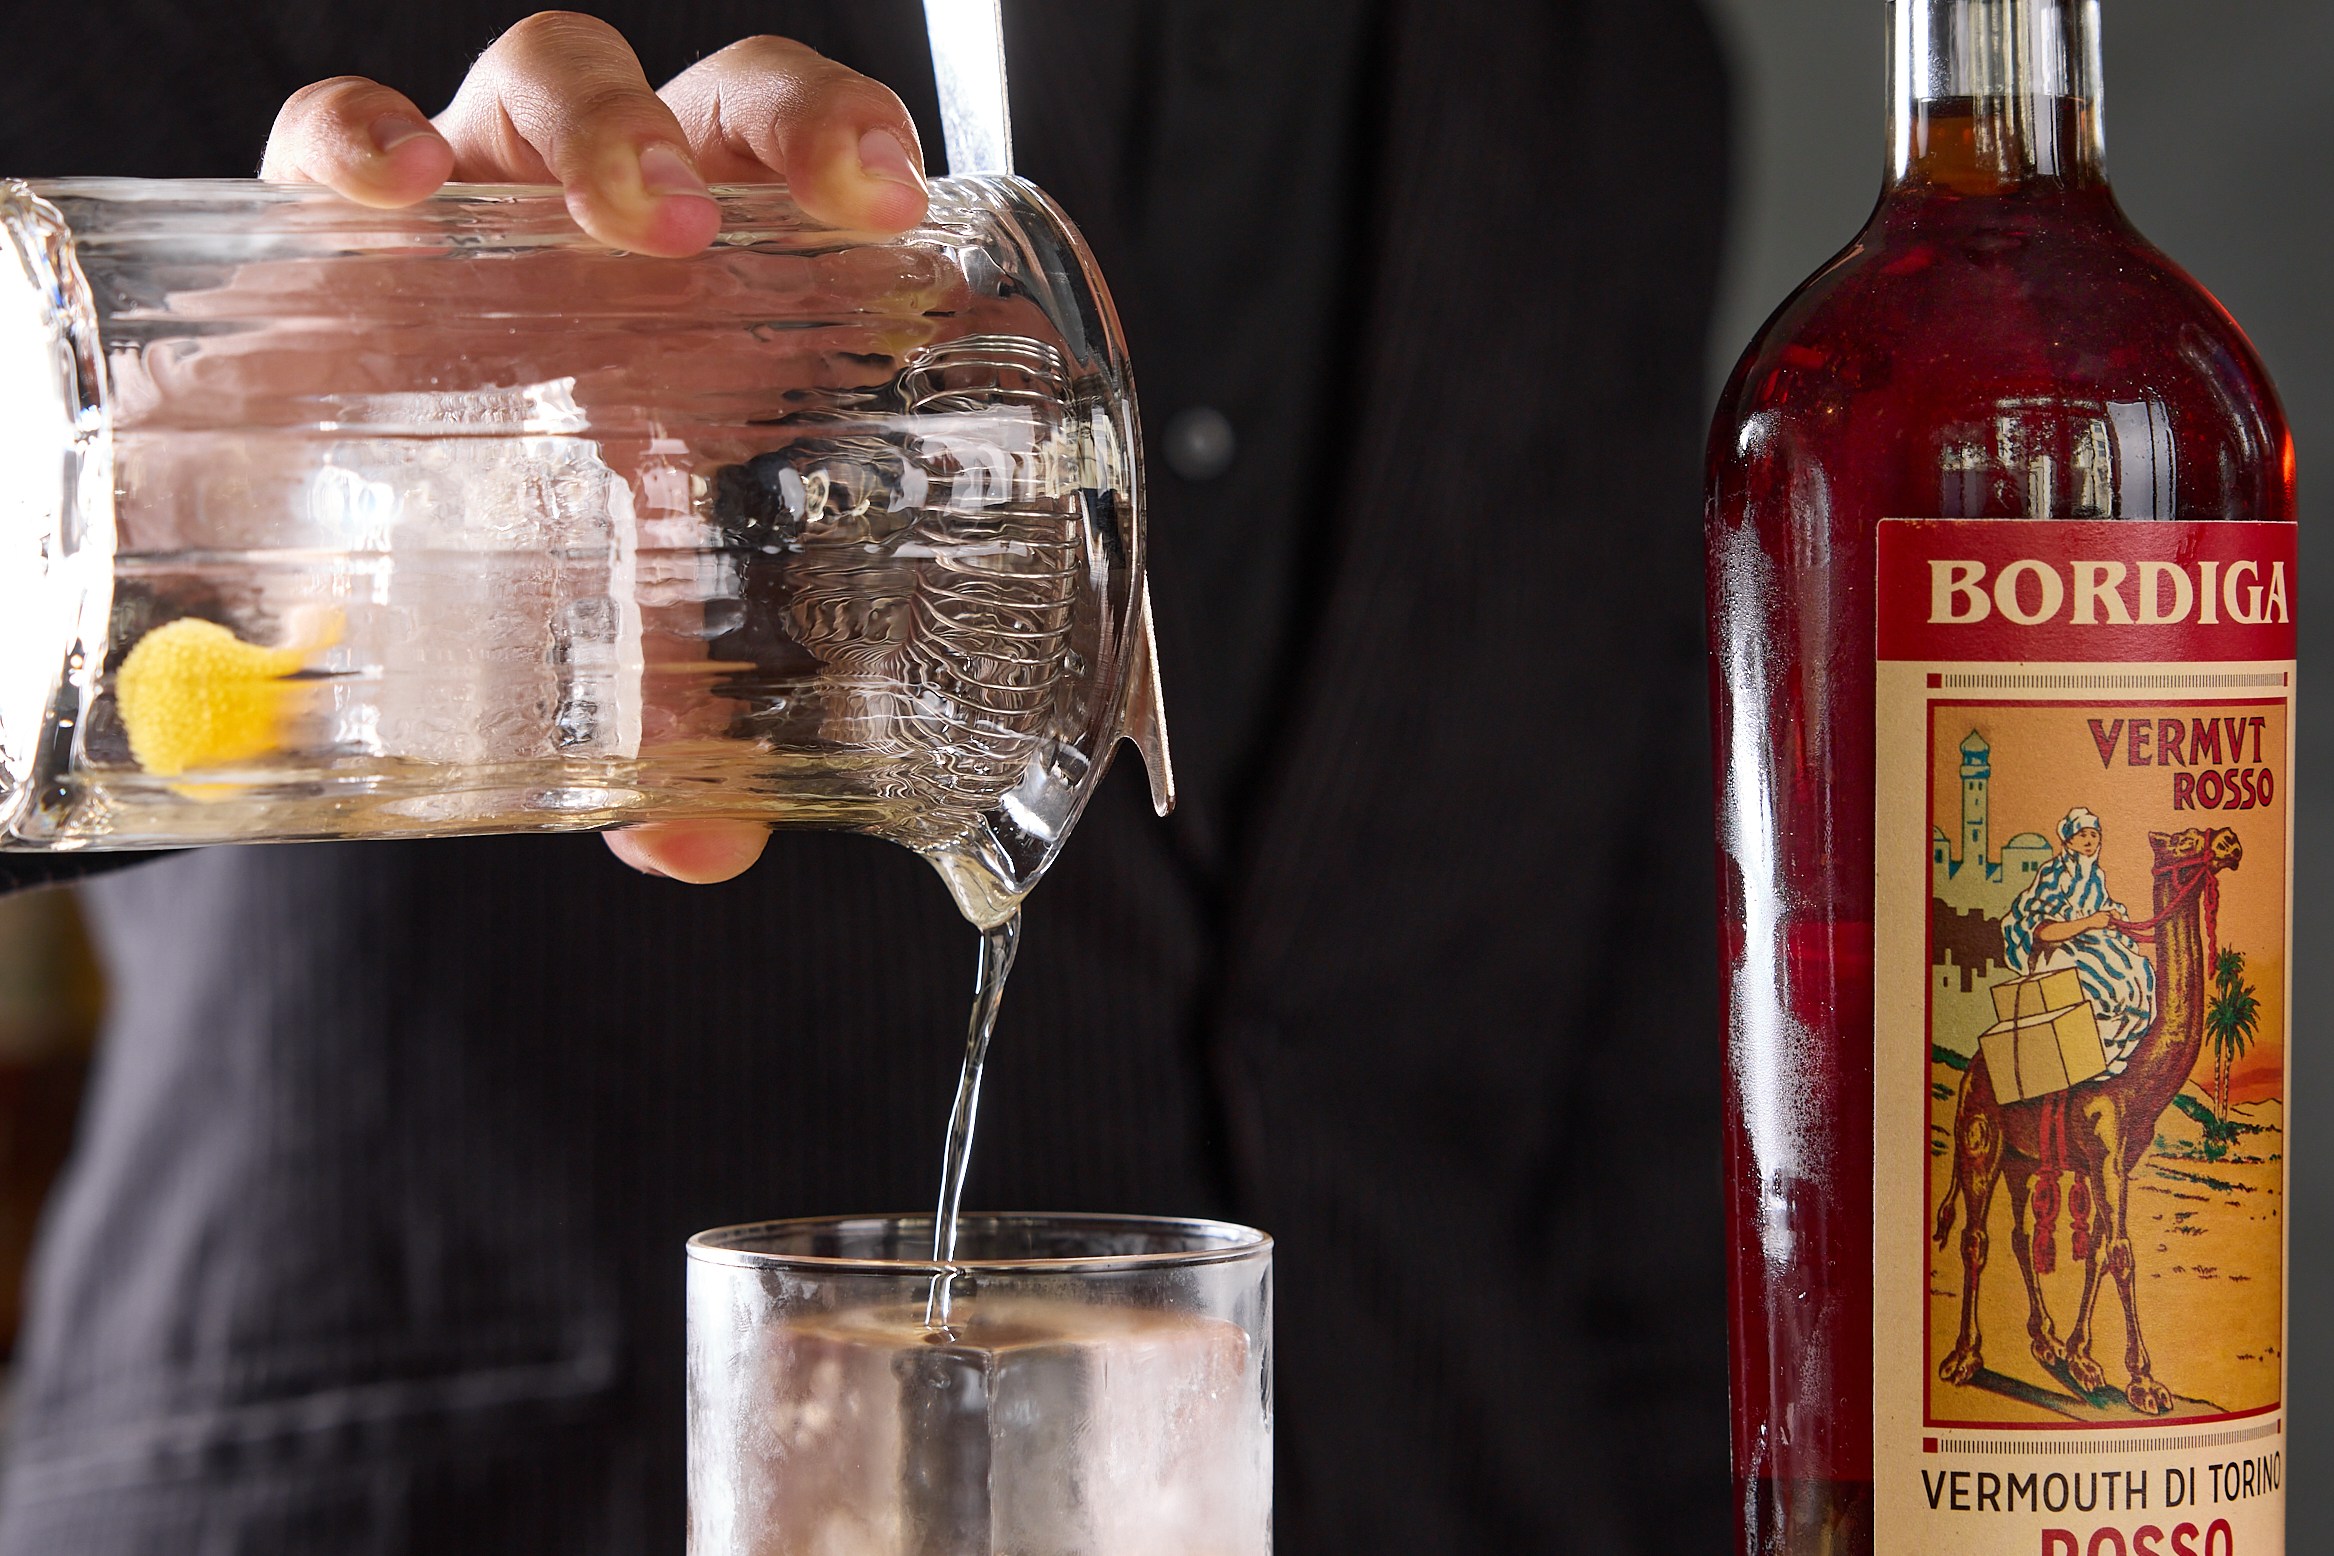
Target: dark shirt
x=372, y=1240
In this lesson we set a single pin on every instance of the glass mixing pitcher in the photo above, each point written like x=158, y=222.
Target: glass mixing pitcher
x=329, y=522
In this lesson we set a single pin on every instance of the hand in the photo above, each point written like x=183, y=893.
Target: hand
x=2067, y=929
x=561, y=99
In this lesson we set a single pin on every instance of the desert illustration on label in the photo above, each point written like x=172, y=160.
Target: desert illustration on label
x=2107, y=1043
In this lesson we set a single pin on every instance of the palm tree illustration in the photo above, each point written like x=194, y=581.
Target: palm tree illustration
x=2231, y=1021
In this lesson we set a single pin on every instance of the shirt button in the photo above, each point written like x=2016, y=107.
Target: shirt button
x=1200, y=443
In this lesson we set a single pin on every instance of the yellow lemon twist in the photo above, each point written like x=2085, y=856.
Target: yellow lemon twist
x=193, y=695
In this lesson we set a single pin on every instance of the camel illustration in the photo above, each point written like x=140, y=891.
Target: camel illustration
x=2109, y=1123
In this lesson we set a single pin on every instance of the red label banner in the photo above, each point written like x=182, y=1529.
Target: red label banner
x=2045, y=591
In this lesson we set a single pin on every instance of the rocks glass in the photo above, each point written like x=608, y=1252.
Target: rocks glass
x=1101, y=1386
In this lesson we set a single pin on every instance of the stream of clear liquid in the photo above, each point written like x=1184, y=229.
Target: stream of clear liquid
x=998, y=946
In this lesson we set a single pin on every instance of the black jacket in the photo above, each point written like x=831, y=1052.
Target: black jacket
x=372, y=1240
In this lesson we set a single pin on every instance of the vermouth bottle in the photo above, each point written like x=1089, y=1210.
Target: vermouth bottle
x=2000, y=546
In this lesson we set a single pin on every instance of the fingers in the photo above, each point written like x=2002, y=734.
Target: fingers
x=359, y=139
x=699, y=852
x=844, y=144
x=560, y=98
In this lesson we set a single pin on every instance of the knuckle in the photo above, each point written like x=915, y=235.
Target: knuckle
x=769, y=43
x=319, y=124
x=612, y=107
x=851, y=96
x=767, y=48
x=552, y=33
x=334, y=94
x=848, y=86
x=802, y=72
x=558, y=74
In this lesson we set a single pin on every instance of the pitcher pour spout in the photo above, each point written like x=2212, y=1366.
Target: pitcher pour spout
x=1145, y=724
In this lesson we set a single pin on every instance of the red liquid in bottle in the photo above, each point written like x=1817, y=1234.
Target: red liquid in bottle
x=1959, y=360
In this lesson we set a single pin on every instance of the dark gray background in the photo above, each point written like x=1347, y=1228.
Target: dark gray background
x=2220, y=137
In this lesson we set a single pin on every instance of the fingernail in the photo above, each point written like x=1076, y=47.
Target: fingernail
x=642, y=866
x=882, y=156
x=664, y=171
x=393, y=130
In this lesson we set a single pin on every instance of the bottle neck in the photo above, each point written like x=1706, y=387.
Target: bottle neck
x=1995, y=96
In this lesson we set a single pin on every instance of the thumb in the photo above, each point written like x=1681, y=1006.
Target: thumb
x=697, y=852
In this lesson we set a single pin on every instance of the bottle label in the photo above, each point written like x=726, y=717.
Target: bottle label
x=2082, y=979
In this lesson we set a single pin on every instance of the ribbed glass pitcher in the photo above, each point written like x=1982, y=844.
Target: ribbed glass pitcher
x=330, y=522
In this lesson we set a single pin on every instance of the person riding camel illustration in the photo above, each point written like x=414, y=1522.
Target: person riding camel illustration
x=2150, y=1015
x=2067, y=919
